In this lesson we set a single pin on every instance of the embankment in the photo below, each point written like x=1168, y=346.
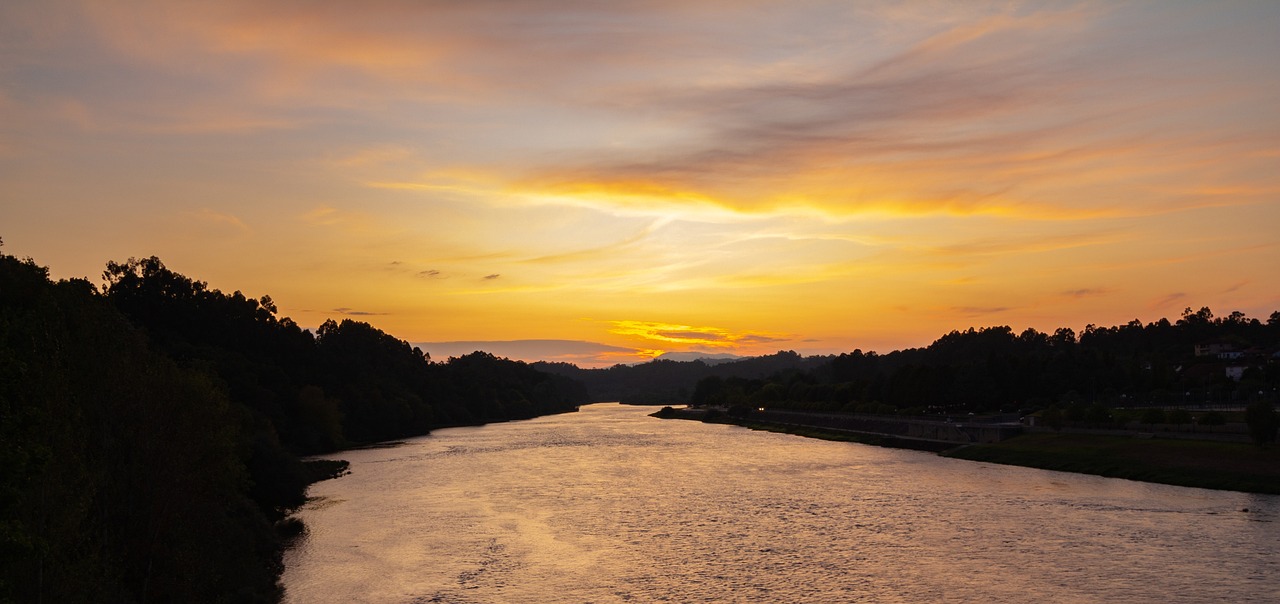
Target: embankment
x=1232, y=466
x=901, y=433
x=1190, y=463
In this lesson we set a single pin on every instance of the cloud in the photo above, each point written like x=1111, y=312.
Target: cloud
x=1005, y=245
x=760, y=339
x=1169, y=299
x=430, y=52
x=324, y=216
x=919, y=107
x=358, y=313
x=974, y=311
x=216, y=217
x=1235, y=287
x=991, y=115
x=1086, y=292
x=598, y=251
x=822, y=159
x=351, y=222
x=686, y=335
x=579, y=352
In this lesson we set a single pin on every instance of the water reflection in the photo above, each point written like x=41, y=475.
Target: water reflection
x=608, y=505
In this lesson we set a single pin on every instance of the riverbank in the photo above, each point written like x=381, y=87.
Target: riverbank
x=1190, y=463
x=866, y=438
x=815, y=426
x=1203, y=464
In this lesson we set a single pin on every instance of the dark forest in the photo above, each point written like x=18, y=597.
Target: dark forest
x=1198, y=359
x=151, y=431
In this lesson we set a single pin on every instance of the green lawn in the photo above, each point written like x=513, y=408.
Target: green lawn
x=1194, y=463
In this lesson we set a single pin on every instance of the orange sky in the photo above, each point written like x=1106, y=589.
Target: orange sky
x=613, y=180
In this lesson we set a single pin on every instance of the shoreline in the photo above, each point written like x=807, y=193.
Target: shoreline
x=1206, y=464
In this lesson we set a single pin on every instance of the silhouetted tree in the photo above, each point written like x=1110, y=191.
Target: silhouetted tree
x=149, y=433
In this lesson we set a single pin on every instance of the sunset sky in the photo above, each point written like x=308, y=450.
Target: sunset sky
x=600, y=182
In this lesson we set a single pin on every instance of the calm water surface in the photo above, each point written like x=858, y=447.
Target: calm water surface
x=608, y=505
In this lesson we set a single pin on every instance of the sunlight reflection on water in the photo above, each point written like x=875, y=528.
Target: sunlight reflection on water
x=608, y=505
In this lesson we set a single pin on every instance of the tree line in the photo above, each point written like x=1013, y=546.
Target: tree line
x=669, y=382
x=1084, y=376
x=994, y=369
x=150, y=430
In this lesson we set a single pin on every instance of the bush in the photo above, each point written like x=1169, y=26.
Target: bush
x=1153, y=416
x=1098, y=414
x=1263, y=422
x=1052, y=417
x=1211, y=419
x=1178, y=417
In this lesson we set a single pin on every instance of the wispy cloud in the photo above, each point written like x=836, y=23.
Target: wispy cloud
x=595, y=252
x=358, y=313
x=578, y=352
x=997, y=116
x=1169, y=299
x=829, y=161
x=686, y=335
x=1234, y=287
x=1004, y=245
x=1087, y=292
x=977, y=311
x=216, y=217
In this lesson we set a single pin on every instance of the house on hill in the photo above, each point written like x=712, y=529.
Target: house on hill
x=1222, y=350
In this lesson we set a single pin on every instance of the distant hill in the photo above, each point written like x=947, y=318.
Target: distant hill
x=665, y=381
x=1197, y=359
x=705, y=357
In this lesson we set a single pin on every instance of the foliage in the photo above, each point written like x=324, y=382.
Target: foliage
x=1212, y=418
x=667, y=382
x=1099, y=414
x=1052, y=417
x=1153, y=416
x=122, y=476
x=349, y=383
x=150, y=433
x=1178, y=417
x=1091, y=375
x=1193, y=463
x=1263, y=421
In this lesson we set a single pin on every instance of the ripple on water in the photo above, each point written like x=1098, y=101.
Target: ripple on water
x=608, y=505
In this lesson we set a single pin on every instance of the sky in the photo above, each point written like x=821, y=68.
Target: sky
x=603, y=182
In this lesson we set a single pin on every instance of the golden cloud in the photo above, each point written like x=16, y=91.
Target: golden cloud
x=687, y=335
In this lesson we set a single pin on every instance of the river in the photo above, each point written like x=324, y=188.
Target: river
x=609, y=505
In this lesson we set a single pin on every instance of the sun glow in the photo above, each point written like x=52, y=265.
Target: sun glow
x=817, y=176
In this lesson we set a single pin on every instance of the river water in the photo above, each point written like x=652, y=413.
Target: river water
x=609, y=505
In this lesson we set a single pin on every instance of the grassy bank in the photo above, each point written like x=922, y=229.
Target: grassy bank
x=1191, y=463
x=866, y=438
x=818, y=432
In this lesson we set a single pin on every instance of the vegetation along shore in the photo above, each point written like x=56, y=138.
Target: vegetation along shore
x=1187, y=402
x=152, y=428
x=151, y=431
x=1145, y=456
